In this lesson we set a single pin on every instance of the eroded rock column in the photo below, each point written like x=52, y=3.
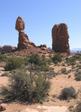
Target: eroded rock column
x=60, y=38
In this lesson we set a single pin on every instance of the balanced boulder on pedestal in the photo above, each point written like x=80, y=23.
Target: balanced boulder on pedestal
x=20, y=25
x=23, y=38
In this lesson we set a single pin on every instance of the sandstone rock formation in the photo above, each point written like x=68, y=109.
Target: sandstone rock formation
x=7, y=49
x=60, y=42
x=25, y=46
x=23, y=38
x=20, y=25
x=43, y=47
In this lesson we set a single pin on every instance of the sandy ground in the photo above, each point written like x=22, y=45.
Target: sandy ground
x=34, y=108
x=62, y=81
x=3, y=81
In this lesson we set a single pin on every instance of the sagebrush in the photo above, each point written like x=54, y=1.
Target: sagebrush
x=26, y=87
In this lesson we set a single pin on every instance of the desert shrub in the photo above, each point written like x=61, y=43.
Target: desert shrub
x=39, y=63
x=64, y=71
x=78, y=66
x=14, y=63
x=78, y=75
x=51, y=74
x=72, y=60
x=34, y=59
x=77, y=57
x=3, y=57
x=57, y=58
x=25, y=87
x=41, y=89
x=67, y=93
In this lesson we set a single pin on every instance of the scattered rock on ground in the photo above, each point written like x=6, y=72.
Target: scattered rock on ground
x=2, y=107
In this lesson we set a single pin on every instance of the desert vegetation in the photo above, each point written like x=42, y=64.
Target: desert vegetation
x=57, y=58
x=26, y=87
x=30, y=78
x=14, y=63
x=78, y=75
x=68, y=93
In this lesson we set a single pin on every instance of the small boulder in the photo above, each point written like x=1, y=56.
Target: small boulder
x=2, y=107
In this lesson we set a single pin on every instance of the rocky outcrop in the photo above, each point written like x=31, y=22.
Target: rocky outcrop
x=43, y=47
x=7, y=49
x=60, y=38
x=25, y=46
x=23, y=38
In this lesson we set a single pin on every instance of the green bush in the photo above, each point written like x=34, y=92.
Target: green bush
x=57, y=58
x=14, y=63
x=67, y=93
x=78, y=75
x=3, y=57
x=34, y=59
x=72, y=60
x=39, y=63
x=26, y=87
x=41, y=89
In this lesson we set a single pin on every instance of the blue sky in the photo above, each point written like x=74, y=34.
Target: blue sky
x=39, y=17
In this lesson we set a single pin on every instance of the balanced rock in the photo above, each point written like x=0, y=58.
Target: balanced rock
x=20, y=25
x=60, y=42
x=23, y=38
